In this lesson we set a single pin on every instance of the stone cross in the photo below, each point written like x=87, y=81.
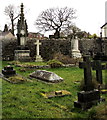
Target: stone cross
x=98, y=67
x=37, y=48
x=86, y=65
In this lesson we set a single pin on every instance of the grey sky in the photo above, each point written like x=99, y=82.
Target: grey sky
x=90, y=13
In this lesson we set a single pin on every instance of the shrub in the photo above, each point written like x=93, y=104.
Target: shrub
x=14, y=63
x=65, y=59
x=54, y=63
x=94, y=84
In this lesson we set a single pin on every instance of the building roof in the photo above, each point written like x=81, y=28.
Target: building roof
x=104, y=25
x=7, y=35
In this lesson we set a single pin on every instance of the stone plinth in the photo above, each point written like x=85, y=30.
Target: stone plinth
x=46, y=76
x=22, y=55
x=86, y=99
x=76, y=54
x=8, y=71
x=38, y=58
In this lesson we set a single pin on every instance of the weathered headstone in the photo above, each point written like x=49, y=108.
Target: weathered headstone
x=75, y=50
x=46, y=76
x=38, y=56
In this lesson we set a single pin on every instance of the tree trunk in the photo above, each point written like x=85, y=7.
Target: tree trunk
x=57, y=34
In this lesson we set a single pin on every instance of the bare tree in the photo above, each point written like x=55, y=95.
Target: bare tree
x=55, y=19
x=11, y=11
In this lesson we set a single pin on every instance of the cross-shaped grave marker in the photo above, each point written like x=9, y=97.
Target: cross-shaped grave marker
x=38, y=57
x=37, y=43
x=96, y=65
x=86, y=65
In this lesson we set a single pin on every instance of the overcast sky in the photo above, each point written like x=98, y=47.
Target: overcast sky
x=90, y=13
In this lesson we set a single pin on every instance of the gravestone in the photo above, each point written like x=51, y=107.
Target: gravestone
x=8, y=71
x=22, y=53
x=75, y=49
x=98, y=67
x=90, y=96
x=46, y=76
x=38, y=56
x=86, y=65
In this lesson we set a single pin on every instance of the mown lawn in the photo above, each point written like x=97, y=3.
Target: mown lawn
x=24, y=100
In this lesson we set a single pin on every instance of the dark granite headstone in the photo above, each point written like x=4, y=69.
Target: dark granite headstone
x=8, y=71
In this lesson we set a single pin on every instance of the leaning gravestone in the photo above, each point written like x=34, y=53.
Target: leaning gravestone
x=90, y=96
x=46, y=76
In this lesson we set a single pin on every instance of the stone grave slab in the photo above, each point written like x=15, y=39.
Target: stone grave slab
x=46, y=76
x=59, y=93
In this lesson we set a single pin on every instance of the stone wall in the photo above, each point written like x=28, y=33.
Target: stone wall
x=50, y=47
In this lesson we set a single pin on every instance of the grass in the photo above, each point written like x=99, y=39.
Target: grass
x=25, y=100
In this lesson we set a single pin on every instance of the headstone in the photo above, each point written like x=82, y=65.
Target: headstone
x=8, y=71
x=75, y=50
x=38, y=56
x=46, y=76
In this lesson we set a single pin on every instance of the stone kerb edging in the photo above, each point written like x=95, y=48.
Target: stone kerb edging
x=45, y=66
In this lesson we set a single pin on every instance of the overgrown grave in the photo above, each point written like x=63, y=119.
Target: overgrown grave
x=10, y=75
x=89, y=96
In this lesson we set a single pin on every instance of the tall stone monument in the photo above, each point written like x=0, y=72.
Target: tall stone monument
x=75, y=50
x=22, y=53
x=38, y=56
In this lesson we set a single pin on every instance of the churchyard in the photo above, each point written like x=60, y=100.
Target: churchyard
x=53, y=78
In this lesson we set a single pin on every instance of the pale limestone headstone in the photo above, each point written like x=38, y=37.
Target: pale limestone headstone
x=38, y=56
x=75, y=50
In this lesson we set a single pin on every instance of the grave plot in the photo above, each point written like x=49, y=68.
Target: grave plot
x=9, y=74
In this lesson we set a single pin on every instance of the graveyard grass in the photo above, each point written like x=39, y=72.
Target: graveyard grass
x=24, y=100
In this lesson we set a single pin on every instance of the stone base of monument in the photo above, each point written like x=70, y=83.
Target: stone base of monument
x=76, y=54
x=46, y=76
x=22, y=55
x=38, y=58
x=8, y=71
x=86, y=99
